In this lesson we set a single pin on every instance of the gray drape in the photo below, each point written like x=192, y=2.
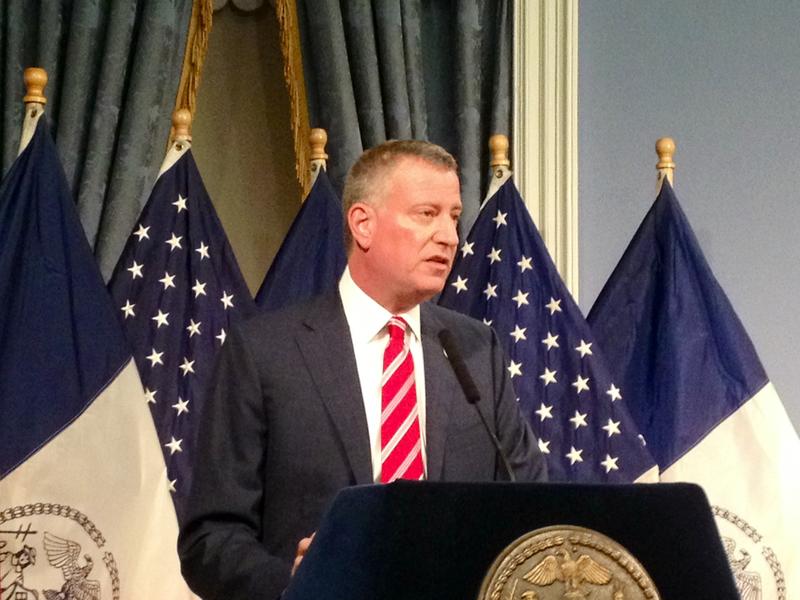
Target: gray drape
x=114, y=69
x=426, y=69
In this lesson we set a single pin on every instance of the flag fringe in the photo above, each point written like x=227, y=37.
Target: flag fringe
x=194, y=55
x=286, y=11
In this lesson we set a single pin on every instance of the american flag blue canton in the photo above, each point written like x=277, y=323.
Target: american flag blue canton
x=504, y=275
x=177, y=288
x=311, y=258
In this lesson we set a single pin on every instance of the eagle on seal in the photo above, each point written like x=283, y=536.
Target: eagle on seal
x=569, y=571
x=63, y=554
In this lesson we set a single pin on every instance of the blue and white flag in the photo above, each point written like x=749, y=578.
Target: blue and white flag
x=698, y=391
x=312, y=258
x=85, y=510
x=505, y=276
x=177, y=289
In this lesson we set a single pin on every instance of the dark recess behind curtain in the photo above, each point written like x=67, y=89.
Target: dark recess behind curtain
x=426, y=69
x=113, y=69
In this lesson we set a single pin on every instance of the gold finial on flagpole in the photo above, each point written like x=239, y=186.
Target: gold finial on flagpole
x=181, y=126
x=35, y=82
x=498, y=146
x=318, y=139
x=318, y=157
x=499, y=163
x=665, y=149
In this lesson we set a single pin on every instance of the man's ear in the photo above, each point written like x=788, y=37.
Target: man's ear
x=361, y=220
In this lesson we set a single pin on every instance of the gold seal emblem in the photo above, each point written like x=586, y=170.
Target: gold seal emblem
x=566, y=562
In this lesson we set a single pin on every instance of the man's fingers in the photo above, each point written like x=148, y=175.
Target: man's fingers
x=302, y=548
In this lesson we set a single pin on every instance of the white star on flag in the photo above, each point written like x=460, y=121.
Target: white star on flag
x=610, y=463
x=490, y=291
x=518, y=333
x=155, y=358
x=579, y=420
x=466, y=249
x=548, y=376
x=613, y=391
x=494, y=256
x=524, y=264
x=612, y=427
x=202, y=250
x=168, y=280
x=174, y=242
x=500, y=219
x=551, y=341
x=545, y=412
x=180, y=203
x=227, y=300
x=199, y=288
x=581, y=384
x=584, y=349
x=161, y=319
x=553, y=306
x=128, y=309
x=544, y=447
x=521, y=298
x=221, y=336
x=181, y=406
x=136, y=270
x=141, y=233
x=150, y=395
x=187, y=366
x=460, y=284
x=574, y=455
x=514, y=369
x=174, y=445
x=193, y=328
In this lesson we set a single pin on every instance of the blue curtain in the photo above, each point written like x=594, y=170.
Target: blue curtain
x=426, y=69
x=114, y=69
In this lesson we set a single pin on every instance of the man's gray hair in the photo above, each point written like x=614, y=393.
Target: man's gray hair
x=367, y=176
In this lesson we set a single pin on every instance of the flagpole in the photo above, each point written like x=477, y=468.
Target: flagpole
x=35, y=82
x=665, y=149
x=317, y=139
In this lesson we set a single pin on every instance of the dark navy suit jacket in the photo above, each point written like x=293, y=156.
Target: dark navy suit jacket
x=284, y=429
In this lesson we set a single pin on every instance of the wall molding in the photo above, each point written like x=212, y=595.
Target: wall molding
x=545, y=124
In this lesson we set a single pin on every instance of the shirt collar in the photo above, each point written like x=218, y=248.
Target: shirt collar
x=366, y=318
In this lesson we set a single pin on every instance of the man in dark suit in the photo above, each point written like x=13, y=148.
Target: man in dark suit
x=350, y=388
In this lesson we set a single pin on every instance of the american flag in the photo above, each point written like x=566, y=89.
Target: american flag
x=177, y=288
x=504, y=275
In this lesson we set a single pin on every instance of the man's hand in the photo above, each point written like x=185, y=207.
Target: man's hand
x=302, y=548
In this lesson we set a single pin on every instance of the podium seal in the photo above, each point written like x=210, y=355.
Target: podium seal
x=566, y=562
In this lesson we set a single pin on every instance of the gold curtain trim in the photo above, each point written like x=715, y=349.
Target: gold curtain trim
x=296, y=87
x=195, y=55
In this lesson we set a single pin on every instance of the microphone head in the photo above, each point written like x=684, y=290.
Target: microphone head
x=448, y=341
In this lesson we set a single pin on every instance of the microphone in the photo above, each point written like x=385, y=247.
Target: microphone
x=453, y=354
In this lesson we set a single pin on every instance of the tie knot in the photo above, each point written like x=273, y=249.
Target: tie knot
x=397, y=328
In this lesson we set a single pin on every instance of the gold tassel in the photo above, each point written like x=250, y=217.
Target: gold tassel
x=195, y=55
x=296, y=87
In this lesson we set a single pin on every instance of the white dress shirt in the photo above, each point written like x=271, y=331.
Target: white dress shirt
x=367, y=321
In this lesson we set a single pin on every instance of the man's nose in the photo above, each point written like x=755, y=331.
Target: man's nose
x=447, y=232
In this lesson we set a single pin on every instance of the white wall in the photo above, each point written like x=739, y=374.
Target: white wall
x=722, y=77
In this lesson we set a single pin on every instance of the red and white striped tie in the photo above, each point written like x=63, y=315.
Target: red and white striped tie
x=401, y=444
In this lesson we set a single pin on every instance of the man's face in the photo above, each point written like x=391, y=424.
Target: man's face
x=413, y=236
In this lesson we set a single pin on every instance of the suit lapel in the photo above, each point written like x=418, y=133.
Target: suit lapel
x=439, y=391
x=327, y=348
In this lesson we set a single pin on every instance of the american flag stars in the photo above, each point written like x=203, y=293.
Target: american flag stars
x=504, y=276
x=179, y=290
